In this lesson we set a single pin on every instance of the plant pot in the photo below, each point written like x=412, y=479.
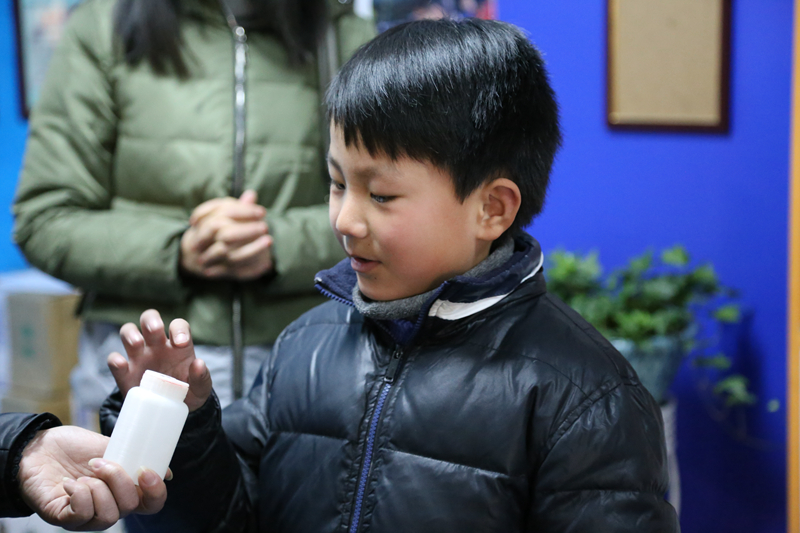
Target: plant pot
x=656, y=363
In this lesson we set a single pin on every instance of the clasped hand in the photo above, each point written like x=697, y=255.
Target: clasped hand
x=228, y=238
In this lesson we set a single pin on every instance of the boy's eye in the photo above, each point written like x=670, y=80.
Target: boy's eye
x=381, y=199
x=337, y=186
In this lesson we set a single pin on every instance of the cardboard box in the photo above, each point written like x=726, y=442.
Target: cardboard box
x=17, y=404
x=43, y=332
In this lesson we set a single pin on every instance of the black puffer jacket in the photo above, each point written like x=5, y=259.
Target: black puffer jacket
x=516, y=418
x=16, y=431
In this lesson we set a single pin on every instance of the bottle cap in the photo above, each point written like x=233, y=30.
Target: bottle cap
x=164, y=385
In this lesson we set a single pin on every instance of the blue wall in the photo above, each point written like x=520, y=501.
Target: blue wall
x=12, y=135
x=723, y=196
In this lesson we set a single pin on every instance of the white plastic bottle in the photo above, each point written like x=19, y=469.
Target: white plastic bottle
x=149, y=425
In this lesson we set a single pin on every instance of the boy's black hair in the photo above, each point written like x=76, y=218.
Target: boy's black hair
x=471, y=96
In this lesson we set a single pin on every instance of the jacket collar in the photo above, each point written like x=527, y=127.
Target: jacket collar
x=455, y=299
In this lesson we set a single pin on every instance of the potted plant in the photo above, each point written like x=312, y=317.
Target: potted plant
x=655, y=312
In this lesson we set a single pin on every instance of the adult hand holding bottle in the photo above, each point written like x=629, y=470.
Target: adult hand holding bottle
x=62, y=479
x=150, y=349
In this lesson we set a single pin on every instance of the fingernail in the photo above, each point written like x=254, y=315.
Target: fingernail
x=133, y=338
x=169, y=475
x=152, y=325
x=147, y=477
x=97, y=463
x=181, y=337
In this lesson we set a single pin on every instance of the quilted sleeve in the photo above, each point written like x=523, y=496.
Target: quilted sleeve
x=65, y=221
x=606, y=468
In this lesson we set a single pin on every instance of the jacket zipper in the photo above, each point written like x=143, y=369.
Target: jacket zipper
x=329, y=294
x=237, y=185
x=369, y=448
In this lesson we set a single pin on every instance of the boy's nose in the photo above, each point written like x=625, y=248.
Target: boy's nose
x=350, y=220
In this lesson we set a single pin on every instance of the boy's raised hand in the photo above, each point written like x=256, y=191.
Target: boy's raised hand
x=150, y=349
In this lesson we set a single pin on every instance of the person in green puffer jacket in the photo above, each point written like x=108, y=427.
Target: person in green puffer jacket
x=175, y=160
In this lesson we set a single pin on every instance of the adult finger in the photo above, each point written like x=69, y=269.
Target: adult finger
x=241, y=211
x=206, y=231
x=249, y=196
x=153, y=492
x=119, y=483
x=153, y=328
x=240, y=233
x=214, y=255
x=243, y=254
x=206, y=208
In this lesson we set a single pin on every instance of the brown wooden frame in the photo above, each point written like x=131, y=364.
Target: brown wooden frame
x=722, y=98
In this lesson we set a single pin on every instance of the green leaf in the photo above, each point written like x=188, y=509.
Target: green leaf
x=729, y=314
x=675, y=256
x=640, y=265
x=719, y=361
x=705, y=279
x=734, y=389
x=635, y=325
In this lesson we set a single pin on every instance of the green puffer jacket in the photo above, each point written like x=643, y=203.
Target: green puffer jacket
x=118, y=158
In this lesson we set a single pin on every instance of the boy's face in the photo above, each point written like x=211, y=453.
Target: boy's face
x=400, y=222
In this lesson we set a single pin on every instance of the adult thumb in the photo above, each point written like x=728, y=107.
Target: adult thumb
x=249, y=197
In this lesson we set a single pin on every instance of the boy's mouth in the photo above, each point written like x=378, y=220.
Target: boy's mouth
x=361, y=264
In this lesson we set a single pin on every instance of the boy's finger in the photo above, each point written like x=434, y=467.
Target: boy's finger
x=119, y=484
x=153, y=492
x=119, y=368
x=180, y=334
x=199, y=384
x=81, y=508
x=106, y=512
x=153, y=328
x=132, y=340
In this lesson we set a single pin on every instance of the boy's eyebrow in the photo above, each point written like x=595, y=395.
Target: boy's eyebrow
x=332, y=162
x=363, y=173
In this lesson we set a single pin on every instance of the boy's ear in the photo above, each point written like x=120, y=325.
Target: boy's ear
x=501, y=200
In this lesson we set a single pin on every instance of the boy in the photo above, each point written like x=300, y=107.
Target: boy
x=443, y=390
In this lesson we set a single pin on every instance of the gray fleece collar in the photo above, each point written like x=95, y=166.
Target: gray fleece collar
x=411, y=306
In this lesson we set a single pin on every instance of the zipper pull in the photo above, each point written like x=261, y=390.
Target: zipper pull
x=394, y=364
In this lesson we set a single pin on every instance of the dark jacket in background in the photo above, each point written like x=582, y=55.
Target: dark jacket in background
x=17, y=430
x=516, y=418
